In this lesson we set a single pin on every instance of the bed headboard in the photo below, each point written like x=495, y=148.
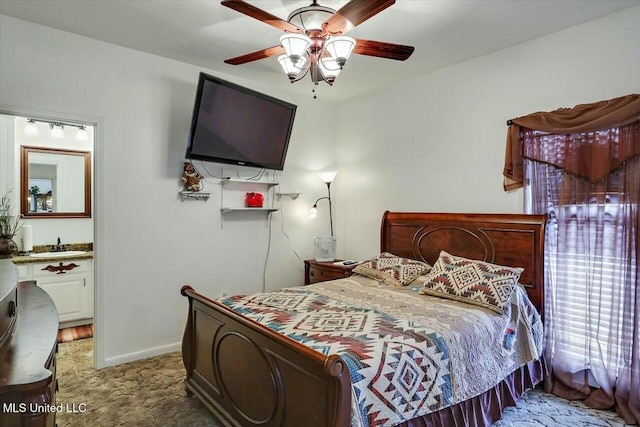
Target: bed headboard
x=505, y=239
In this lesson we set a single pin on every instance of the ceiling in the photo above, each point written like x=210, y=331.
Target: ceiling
x=205, y=33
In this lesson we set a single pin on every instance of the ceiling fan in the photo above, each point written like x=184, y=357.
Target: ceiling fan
x=314, y=42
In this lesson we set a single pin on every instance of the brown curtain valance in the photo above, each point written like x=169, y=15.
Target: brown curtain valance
x=590, y=156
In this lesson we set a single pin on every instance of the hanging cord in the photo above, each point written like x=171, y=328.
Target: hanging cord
x=206, y=170
x=266, y=258
x=286, y=235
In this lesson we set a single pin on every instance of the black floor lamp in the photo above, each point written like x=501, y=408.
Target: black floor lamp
x=325, y=247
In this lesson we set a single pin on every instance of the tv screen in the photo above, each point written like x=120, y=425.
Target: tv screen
x=236, y=125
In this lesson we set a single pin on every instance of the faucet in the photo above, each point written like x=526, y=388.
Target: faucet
x=58, y=247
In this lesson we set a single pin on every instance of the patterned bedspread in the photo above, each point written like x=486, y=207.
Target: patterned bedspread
x=408, y=354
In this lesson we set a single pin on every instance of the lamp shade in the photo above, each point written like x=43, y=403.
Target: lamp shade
x=340, y=48
x=328, y=177
x=57, y=130
x=295, y=45
x=313, y=212
x=31, y=128
x=82, y=135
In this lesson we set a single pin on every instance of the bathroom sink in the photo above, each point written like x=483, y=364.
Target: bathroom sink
x=57, y=254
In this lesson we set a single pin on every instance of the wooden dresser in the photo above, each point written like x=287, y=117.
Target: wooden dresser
x=28, y=332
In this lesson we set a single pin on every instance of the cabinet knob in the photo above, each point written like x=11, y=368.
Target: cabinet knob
x=312, y=273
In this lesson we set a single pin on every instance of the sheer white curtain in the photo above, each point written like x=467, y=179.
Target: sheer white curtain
x=593, y=279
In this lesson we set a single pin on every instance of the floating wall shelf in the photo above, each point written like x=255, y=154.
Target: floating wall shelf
x=196, y=195
x=268, y=210
x=268, y=184
x=232, y=196
x=293, y=196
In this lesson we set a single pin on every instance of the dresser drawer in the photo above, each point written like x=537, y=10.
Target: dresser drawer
x=8, y=314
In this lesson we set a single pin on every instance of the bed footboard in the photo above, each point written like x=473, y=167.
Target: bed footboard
x=249, y=375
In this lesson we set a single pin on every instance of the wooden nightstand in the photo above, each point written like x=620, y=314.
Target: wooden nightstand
x=315, y=271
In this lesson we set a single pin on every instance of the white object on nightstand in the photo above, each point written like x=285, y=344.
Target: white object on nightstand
x=324, y=248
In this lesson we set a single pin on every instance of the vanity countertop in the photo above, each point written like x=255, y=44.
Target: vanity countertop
x=26, y=259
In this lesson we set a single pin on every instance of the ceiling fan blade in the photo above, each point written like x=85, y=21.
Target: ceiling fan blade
x=261, y=15
x=254, y=56
x=354, y=13
x=383, y=50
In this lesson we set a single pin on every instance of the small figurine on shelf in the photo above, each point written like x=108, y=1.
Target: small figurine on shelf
x=191, y=178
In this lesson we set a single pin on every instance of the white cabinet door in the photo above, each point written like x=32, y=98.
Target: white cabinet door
x=69, y=283
x=70, y=296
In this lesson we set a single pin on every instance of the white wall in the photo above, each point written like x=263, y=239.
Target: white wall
x=433, y=144
x=439, y=140
x=148, y=242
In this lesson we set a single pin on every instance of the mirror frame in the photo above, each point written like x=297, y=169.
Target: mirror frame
x=24, y=183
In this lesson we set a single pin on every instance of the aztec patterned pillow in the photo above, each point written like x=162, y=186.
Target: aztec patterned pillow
x=471, y=281
x=392, y=269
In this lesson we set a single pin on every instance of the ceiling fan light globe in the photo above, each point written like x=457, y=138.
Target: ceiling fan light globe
x=329, y=68
x=340, y=48
x=295, y=44
x=310, y=17
x=290, y=67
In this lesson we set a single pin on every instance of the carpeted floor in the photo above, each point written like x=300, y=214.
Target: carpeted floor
x=149, y=393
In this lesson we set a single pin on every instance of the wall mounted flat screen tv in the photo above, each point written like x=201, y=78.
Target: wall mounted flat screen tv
x=236, y=125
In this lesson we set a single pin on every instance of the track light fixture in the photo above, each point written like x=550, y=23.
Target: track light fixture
x=57, y=129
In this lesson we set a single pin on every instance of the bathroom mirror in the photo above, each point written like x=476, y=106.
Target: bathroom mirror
x=55, y=183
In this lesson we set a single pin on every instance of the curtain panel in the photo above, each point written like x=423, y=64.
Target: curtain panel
x=592, y=284
x=581, y=167
x=579, y=149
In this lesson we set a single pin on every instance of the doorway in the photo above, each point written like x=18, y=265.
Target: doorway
x=50, y=185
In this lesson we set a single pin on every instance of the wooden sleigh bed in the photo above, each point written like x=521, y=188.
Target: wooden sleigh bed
x=250, y=375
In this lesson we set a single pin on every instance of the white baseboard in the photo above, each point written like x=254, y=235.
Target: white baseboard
x=74, y=323
x=131, y=357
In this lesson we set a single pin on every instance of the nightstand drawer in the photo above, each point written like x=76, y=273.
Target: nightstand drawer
x=323, y=271
x=321, y=275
